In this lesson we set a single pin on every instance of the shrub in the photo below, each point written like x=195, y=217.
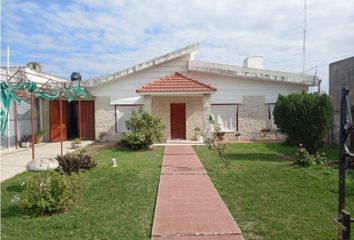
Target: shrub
x=304, y=117
x=76, y=141
x=144, y=130
x=211, y=140
x=303, y=158
x=75, y=162
x=50, y=192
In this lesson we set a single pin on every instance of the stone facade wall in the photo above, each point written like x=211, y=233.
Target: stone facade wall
x=105, y=118
x=253, y=116
x=194, y=112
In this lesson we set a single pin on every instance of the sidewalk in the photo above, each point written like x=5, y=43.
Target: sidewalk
x=14, y=161
x=188, y=207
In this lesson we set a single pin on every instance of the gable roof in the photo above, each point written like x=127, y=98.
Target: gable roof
x=176, y=82
x=150, y=63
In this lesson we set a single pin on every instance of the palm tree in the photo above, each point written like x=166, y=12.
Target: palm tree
x=34, y=66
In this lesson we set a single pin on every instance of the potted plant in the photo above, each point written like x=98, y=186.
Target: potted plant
x=26, y=141
x=102, y=137
x=220, y=136
x=198, y=134
x=76, y=143
x=265, y=130
x=38, y=136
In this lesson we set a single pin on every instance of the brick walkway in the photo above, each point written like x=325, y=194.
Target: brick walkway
x=188, y=207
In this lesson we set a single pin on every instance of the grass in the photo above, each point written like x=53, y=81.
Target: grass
x=117, y=203
x=270, y=198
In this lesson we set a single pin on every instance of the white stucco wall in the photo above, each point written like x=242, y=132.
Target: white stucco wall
x=251, y=94
x=126, y=87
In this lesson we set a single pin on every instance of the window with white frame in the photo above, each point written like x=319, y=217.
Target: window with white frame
x=226, y=115
x=122, y=114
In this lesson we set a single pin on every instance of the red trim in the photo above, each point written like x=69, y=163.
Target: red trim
x=16, y=124
x=61, y=124
x=32, y=125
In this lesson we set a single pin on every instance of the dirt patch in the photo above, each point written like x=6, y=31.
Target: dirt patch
x=349, y=163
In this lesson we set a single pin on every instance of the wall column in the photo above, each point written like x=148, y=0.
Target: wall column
x=206, y=112
x=147, y=103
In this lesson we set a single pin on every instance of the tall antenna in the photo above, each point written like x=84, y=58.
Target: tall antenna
x=304, y=39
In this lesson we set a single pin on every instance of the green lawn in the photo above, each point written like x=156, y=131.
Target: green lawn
x=269, y=197
x=272, y=199
x=117, y=203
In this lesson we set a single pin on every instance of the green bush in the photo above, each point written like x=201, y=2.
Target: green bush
x=144, y=130
x=303, y=158
x=75, y=162
x=304, y=117
x=50, y=192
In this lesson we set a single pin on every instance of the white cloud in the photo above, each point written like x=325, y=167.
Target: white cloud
x=100, y=37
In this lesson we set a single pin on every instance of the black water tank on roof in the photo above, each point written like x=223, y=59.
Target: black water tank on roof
x=75, y=76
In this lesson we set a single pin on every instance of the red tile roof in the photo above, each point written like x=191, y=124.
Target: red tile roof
x=176, y=82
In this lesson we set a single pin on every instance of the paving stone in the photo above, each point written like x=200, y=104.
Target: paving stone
x=188, y=206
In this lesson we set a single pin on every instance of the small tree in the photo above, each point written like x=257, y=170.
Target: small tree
x=304, y=117
x=144, y=130
x=211, y=140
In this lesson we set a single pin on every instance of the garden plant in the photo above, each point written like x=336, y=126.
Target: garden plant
x=305, y=118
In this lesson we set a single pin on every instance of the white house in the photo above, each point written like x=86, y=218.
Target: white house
x=183, y=92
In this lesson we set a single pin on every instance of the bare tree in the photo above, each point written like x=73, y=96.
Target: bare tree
x=211, y=140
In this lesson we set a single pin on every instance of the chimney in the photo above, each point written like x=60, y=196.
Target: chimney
x=253, y=62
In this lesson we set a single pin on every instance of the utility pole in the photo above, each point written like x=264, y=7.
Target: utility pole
x=304, y=39
x=319, y=86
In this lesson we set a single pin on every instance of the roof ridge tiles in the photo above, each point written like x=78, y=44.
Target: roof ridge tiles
x=172, y=83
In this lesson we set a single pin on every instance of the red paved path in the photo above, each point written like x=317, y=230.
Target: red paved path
x=188, y=207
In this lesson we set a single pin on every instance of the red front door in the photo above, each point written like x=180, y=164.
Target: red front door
x=178, y=120
x=87, y=120
x=55, y=120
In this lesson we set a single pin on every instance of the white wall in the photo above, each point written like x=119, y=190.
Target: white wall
x=126, y=86
x=123, y=113
x=231, y=90
x=251, y=94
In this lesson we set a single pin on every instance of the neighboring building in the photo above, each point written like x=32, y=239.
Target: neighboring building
x=341, y=74
x=41, y=116
x=46, y=113
x=183, y=92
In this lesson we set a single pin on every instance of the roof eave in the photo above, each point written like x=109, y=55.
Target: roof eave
x=190, y=49
x=179, y=93
x=253, y=74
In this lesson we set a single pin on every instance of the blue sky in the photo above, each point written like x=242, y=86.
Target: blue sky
x=100, y=37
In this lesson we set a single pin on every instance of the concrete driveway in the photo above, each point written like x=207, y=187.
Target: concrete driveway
x=14, y=161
